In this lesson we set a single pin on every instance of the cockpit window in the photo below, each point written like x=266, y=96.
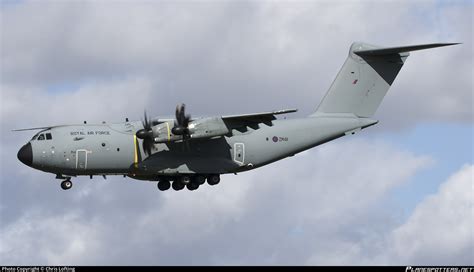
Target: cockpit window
x=43, y=135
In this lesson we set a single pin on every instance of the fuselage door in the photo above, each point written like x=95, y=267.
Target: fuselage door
x=81, y=159
x=239, y=152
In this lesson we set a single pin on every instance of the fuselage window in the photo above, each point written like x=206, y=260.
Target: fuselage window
x=48, y=136
x=41, y=137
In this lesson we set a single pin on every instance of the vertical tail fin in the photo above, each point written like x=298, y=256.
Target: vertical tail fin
x=365, y=78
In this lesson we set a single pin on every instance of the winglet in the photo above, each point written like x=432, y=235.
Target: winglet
x=400, y=49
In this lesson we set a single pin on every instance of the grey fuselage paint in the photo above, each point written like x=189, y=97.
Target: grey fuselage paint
x=113, y=149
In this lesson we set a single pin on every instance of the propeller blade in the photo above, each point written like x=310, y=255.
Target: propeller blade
x=183, y=115
x=146, y=134
x=146, y=122
x=147, y=145
x=178, y=114
x=182, y=120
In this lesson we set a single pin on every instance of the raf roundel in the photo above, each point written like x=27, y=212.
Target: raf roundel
x=275, y=139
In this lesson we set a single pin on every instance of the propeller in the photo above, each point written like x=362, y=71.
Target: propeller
x=182, y=121
x=180, y=128
x=146, y=134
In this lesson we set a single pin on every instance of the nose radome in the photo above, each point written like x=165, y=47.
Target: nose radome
x=25, y=155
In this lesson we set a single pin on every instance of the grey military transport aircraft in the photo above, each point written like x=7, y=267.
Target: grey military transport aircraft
x=185, y=152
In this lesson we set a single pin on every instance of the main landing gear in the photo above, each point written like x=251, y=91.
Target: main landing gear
x=66, y=184
x=190, y=182
x=213, y=179
x=164, y=185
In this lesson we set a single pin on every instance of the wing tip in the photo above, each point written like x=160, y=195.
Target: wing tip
x=36, y=128
x=285, y=111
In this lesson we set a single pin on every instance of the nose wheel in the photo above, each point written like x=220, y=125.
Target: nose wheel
x=66, y=184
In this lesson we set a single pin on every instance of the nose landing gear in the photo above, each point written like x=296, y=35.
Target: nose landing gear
x=66, y=184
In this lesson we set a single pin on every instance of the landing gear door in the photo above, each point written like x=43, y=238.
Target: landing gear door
x=239, y=153
x=81, y=159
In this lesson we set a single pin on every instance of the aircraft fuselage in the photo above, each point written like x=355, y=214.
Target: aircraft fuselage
x=114, y=149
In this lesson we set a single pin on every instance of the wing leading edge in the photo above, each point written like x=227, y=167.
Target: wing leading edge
x=257, y=117
x=242, y=121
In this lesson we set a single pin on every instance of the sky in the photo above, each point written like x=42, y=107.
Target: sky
x=398, y=193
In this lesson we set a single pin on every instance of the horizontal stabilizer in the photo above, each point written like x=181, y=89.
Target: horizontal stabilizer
x=400, y=49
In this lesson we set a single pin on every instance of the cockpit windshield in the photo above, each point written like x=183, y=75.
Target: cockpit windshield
x=42, y=135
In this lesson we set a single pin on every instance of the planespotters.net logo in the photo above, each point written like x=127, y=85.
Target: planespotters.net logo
x=438, y=269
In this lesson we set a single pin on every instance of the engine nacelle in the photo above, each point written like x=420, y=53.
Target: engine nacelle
x=198, y=129
x=207, y=128
x=162, y=133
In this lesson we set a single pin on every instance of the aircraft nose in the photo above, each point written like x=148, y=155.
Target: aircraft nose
x=25, y=155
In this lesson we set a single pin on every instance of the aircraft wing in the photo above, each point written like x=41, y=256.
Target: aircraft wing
x=35, y=128
x=257, y=117
x=254, y=118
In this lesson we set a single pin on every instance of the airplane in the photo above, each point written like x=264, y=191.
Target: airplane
x=187, y=152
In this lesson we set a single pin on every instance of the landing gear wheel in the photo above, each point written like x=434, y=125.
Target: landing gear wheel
x=66, y=184
x=177, y=185
x=200, y=180
x=185, y=179
x=192, y=186
x=164, y=185
x=213, y=179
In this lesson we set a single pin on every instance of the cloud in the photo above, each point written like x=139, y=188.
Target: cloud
x=440, y=230
x=242, y=56
x=54, y=238
x=95, y=101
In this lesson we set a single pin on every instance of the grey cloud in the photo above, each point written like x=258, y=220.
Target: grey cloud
x=98, y=101
x=441, y=227
x=236, y=57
